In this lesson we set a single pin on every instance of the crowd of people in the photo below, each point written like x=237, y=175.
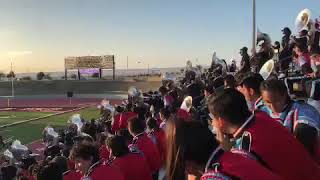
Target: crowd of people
x=218, y=125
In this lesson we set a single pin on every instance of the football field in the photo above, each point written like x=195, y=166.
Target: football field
x=8, y=117
x=30, y=131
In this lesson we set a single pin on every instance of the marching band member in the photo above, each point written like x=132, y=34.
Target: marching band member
x=104, y=152
x=245, y=60
x=164, y=115
x=132, y=164
x=142, y=143
x=167, y=98
x=159, y=136
x=301, y=119
x=51, y=171
x=121, y=120
x=285, y=56
x=68, y=174
x=86, y=157
x=229, y=81
x=302, y=59
x=194, y=150
x=271, y=144
x=250, y=88
x=315, y=63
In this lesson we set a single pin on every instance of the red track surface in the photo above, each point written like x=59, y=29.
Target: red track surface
x=79, y=102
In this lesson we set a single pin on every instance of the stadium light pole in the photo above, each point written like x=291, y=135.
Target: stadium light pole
x=254, y=29
x=139, y=62
x=12, y=84
x=127, y=62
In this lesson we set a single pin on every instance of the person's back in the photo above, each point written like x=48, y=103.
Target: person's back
x=161, y=143
x=133, y=167
x=106, y=172
x=257, y=133
x=236, y=165
x=149, y=151
x=104, y=152
x=158, y=137
x=245, y=63
x=71, y=175
x=278, y=150
x=121, y=120
x=50, y=172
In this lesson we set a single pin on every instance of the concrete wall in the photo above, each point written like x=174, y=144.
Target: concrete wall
x=78, y=87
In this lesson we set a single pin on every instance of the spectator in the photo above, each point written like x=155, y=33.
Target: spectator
x=132, y=165
x=303, y=58
x=299, y=118
x=142, y=143
x=164, y=116
x=9, y=172
x=159, y=135
x=50, y=172
x=245, y=61
x=103, y=150
x=185, y=156
x=229, y=81
x=86, y=157
x=286, y=53
x=271, y=144
x=167, y=99
x=315, y=63
x=62, y=163
x=250, y=88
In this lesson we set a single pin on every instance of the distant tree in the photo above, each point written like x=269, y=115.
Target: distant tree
x=26, y=78
x=47, y=76
x=11, y=74
x=40, y=75
x=95, y=75
x=182, y=70
x=2, y=75
x=73, y=76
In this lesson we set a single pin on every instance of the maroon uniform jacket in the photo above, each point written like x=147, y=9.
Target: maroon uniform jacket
x=121, y=120
x=102, y=171
x=277, y=149
x=133, y=167
x=160, y=138
x=71, y=175
x=228, y=165
x=143, y=144
x=104, y=152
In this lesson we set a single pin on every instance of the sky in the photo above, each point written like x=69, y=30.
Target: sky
x=38, y=34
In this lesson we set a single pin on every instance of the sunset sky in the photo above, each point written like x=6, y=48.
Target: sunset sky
x=162, y=33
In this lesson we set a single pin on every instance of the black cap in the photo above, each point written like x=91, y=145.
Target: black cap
x=244, y=49
x=286, y=30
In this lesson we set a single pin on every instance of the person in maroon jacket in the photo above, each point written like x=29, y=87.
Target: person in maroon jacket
x=104, y=153
x=270, y=143
x=194, y=150
x=159, y=136
x=142, y=143
x=120, y=121
x=132, y=165
x=86, y=157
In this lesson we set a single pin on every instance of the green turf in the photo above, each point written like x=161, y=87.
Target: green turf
x=31, y=131
x=11, y=117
